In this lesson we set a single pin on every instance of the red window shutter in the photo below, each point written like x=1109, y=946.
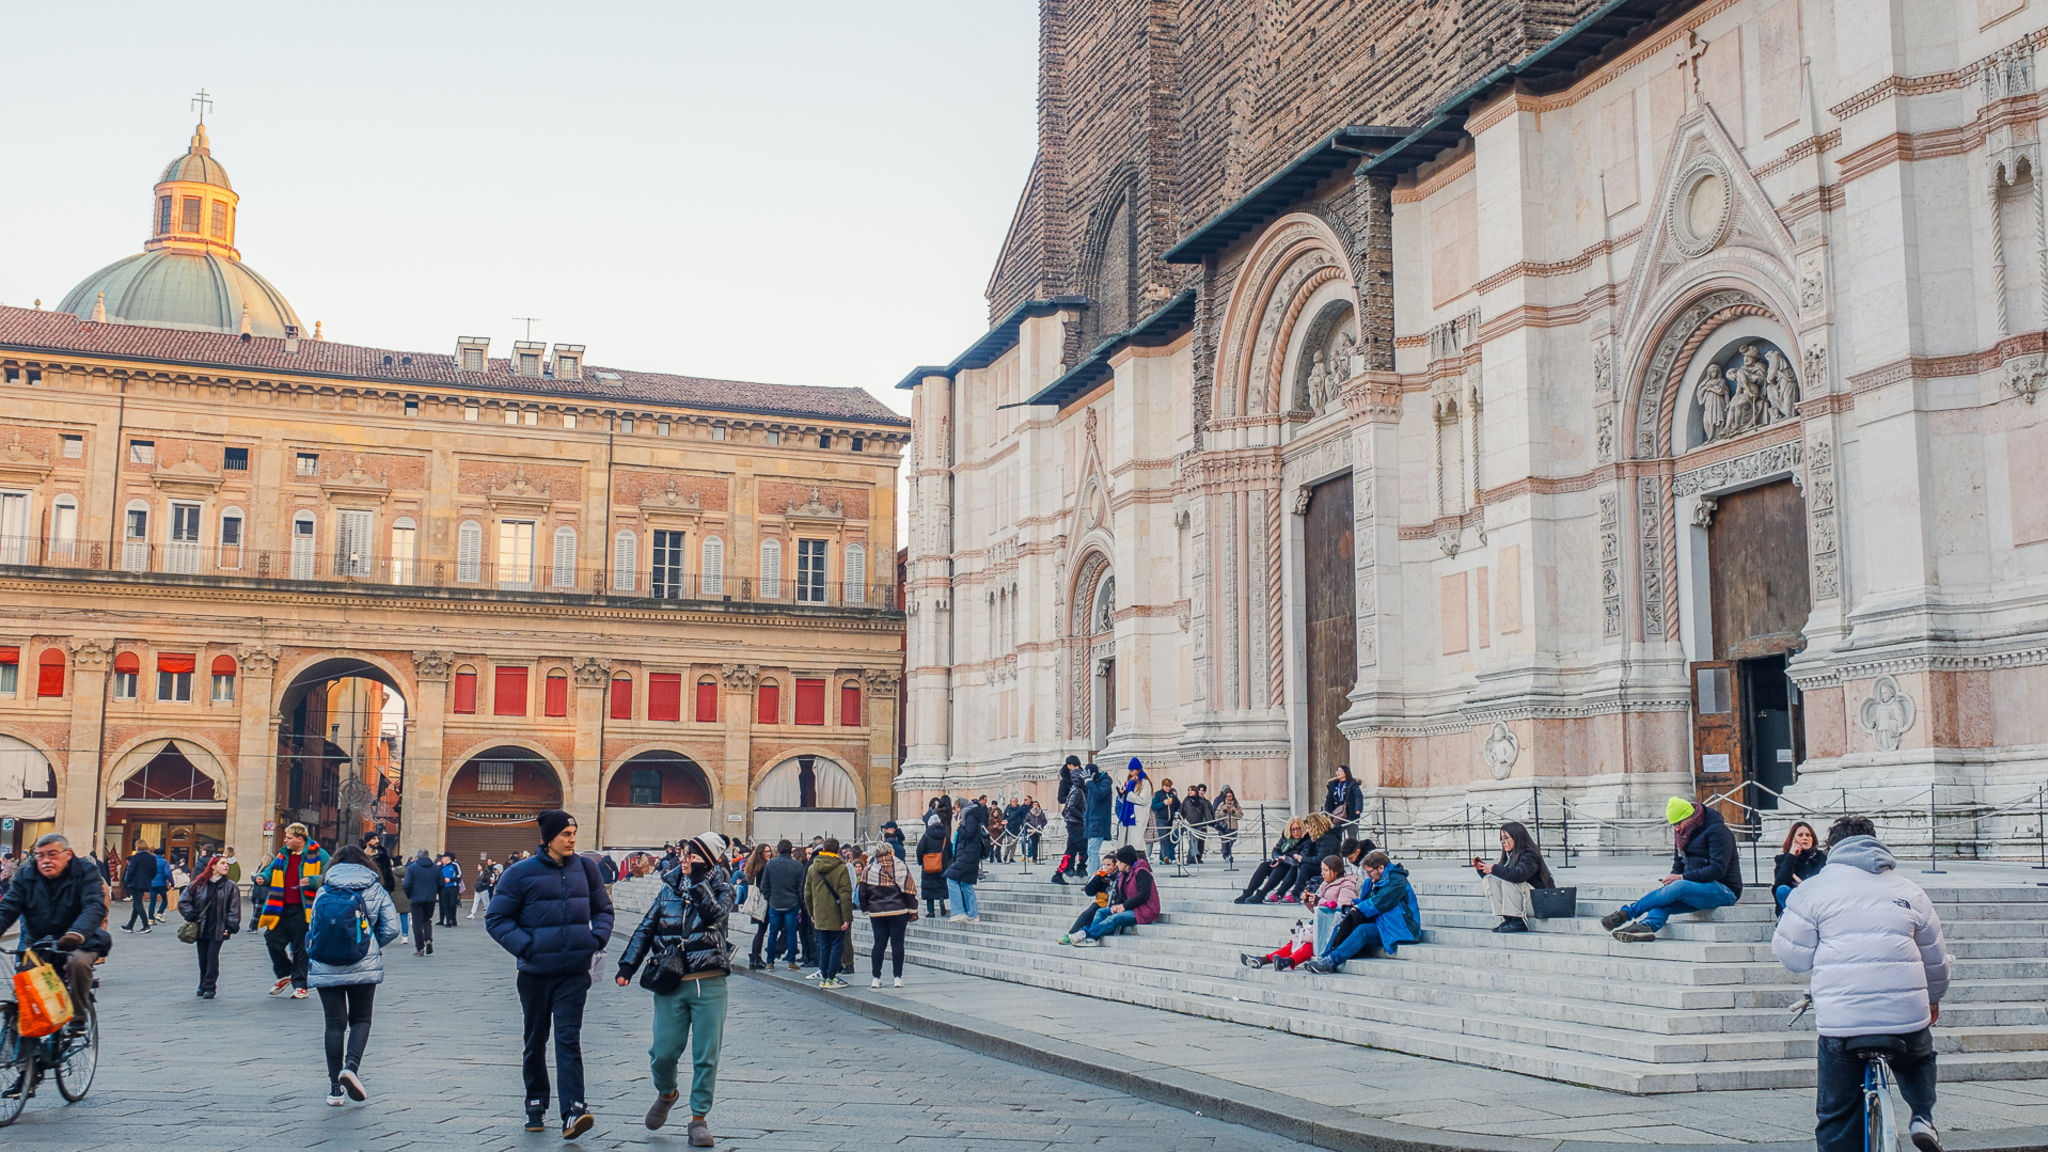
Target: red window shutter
x=465, y=693
x=849, y=705
x=810, y=701
x=558, y=695
x=665, y=696
x=124, y=662
x=622, y=697
x=223, y=665
x=175, y=662
x=770, y=710
x=509, y=697
x=707, y=701
x=10, y=655
x=50, y=673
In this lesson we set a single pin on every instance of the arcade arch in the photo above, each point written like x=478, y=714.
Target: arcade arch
x=656, y=796
x=494, y=799
x=806, y=795
x=341, y=747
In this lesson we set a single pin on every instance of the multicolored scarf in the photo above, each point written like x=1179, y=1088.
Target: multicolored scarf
x=311, y=858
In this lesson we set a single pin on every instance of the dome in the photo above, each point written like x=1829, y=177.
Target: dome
x=198, y=291
x=197, y=165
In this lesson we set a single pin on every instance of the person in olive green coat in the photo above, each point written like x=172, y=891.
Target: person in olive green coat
x=828, y=897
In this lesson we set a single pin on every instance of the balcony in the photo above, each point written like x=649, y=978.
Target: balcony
x=301, y=569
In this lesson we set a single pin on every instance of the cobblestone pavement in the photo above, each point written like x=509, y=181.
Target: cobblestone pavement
x=245, y=1071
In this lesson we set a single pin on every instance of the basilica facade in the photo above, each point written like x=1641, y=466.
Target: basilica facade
x=253, y=576
x=1637, y=399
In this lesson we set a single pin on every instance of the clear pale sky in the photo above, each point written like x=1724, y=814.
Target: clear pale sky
x=800, y=192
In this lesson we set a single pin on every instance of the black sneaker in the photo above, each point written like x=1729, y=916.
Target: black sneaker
x=577, y=1124
x=536, y=1121
x=1614, y=919
x=1058, y=879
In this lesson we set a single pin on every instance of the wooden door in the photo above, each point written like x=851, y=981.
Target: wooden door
x=1717, y=734
x=1331, y=650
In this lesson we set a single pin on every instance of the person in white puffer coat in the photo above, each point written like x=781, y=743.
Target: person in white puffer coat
x=1880, y=967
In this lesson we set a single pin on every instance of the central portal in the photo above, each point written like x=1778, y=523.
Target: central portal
x=1330, y=596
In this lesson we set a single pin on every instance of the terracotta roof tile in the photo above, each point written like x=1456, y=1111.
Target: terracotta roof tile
x=28, y=330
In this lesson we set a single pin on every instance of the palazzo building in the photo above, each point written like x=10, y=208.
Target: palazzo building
x=252, y=576
x=1612, y=399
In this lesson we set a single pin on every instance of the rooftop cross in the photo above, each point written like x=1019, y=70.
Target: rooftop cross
x=1690, y=60
x=202, y=101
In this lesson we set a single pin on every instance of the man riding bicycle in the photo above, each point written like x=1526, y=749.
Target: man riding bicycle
x=62, y=897
x=1873, y=943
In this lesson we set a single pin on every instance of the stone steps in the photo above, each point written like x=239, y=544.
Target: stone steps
x=1702, y=1008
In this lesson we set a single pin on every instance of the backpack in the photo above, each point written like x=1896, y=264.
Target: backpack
x=340, y=933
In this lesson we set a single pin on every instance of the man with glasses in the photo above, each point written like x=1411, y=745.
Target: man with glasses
x=62, y=896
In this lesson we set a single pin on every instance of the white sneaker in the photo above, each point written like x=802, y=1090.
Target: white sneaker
x=875, y=983
x=958, y=918
x=899, y=982
x=334, y=1100
x=814, y=975
x=1925, y=1136
x=402, y=939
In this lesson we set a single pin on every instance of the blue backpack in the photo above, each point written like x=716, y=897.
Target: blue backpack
x=340, y=933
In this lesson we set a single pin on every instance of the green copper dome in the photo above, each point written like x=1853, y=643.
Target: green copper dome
x=198, y=291
x=197, y=165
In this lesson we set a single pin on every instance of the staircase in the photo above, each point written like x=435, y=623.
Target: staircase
x=1704, y=1008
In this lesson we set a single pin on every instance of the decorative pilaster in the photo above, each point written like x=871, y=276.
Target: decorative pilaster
x=425, y=819
x=80, y=811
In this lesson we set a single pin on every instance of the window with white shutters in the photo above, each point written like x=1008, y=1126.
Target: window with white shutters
x=302, y=546
x=771, y=569
x=182, y=553
x=469, y=552
x=14, y=536
x=712, y=574
x=565, y=558
x=352, y=549
x=64, y=528
x=625, y=561
x=135, y=537
x=856, y=574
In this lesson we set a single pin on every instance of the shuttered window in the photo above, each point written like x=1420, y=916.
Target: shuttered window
x=711, y=576
x=707, y=701
x=810, y=701
x=352, y=543
x=856, y=574
x=508, y=694
x=50, y=673
x=469, y=552
x=622, y=697
x=465, y=692
x=771, y=569
x=768, y=709
x=557, y=695
x=302, y=546
x=625, y=560
x=849, y=705
x=664, y=696
x=565, y=558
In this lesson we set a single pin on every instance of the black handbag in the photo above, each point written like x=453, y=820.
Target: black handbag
x=1554, y=903
x=665, y=969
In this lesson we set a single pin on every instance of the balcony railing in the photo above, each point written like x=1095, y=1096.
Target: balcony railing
x=539, y=576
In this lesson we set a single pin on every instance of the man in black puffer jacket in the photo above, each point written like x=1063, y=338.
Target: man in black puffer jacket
x=552, y=912
x=1706, y=873
x=57, y=894
x=689, y=916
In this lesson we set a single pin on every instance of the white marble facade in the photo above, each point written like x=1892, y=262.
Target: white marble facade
x=1798, y=239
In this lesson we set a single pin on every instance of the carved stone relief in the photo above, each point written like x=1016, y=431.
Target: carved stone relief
x=1501, y=750
x=1823, y=542
x=1725, y=474
x=591, y=672
x=1610, y=566
x=740, y=677
x=2025, y=376
x=1703, y=512
x=1650, y=517
x=1752, y=386
x=433, y=665
x=1603, y=435
x=1657, y=378
x=257, y=659
x=1887, y=714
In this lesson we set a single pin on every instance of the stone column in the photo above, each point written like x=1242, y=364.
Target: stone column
x=81, y=811
x=736, y=775
x=254, y=799
x=424, y=821
x=584, y=797
x=1374, y=403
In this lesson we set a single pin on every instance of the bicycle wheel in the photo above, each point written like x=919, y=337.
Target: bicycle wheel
x=1880, y=1127
x=17, y=1065
x=80, y=1060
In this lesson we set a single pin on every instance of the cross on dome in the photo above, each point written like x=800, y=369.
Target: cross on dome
x=202, y=101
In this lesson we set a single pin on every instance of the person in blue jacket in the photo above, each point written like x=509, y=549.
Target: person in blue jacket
x=160, y=888
x=552, y=913
x=1095, y=823
x=1384, y=917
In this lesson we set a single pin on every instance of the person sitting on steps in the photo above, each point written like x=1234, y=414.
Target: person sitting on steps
x=1277, y=869
x=1511, y=880
x=1800, y=860
x=1134, y=899
x=1705, y=873
x=1325, y=838
x=1099, y=888
x=1339, y=890
x=1381, y=920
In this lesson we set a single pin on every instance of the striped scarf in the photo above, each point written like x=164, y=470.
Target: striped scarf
x=272, y=878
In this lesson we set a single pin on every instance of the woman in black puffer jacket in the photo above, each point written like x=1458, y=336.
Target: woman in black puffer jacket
x=687, y=920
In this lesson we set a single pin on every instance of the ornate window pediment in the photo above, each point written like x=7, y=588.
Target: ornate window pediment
x=521, y=495
x=18, y=465
x=815, y=511
x=356, y=486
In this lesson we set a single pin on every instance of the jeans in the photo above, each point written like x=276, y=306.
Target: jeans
x=831, y=946
x=1781, y=893
x=1094, y=855
x=556, y=1000
x=1362, y=940
x=287, y=944
x=1838, y=1106
x=888, y=938
x=1031, y=846
x=1106, y=922
x=156, y=903
x=209, y=959
x=347, y=1010
x=1679, y=896
x=782, y=933
x=962, y=896
x=139, y=909
x=404, y=925
x=693, y=1014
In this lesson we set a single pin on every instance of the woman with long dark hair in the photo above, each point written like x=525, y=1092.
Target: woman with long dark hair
x=1800, y=860
x=214, y=903
x=1510, y=881
x=1343, y=799
x=756, y=864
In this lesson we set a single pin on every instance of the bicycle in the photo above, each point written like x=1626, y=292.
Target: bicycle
x=74, y=1056
x=1880, y=1122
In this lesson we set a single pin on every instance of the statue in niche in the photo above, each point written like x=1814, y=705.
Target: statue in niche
x=1781, y=389
x=1347, y=356
x=1712, y=396
x=1319, y=383
x=1754, y=388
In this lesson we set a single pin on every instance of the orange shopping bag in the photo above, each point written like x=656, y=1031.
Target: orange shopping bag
x=45, y=1003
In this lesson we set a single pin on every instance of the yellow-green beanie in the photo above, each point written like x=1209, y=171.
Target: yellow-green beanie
x=1677, y=810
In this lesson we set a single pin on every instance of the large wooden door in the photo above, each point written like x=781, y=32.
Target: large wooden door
x=1717, y=733
x=1330, y=595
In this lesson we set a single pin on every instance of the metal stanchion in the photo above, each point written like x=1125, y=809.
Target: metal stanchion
x=1565, y=810
x=2041, y=824
x=1468, y=831
x=1933, y=868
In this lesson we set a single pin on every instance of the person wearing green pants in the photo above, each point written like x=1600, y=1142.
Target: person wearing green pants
x=681, y=941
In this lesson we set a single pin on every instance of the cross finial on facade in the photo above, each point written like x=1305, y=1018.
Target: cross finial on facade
x=202, y=101
x=1690, y=60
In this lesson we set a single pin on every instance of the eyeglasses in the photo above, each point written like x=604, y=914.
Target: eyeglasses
x=51, y=854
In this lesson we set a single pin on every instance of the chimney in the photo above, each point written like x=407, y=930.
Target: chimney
x=245, y=322
x=568, y=361
x=291, y=338
x=526, y=357
x=473, y=353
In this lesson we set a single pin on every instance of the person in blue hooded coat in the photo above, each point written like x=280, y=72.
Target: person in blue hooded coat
x=1095, y=824
x=1382, y=920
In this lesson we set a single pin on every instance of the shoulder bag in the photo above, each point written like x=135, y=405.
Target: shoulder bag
x=756, y=906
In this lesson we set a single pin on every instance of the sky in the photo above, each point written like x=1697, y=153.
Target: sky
x=804, y=192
